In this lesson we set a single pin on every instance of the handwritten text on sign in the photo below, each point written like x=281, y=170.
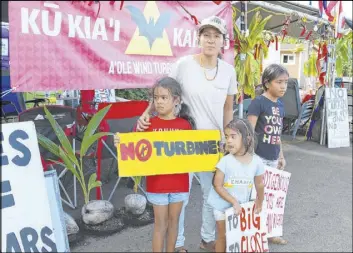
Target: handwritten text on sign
x=26, y=219
x=246, y=232
x=276, y=187
x=147, y=153
x=337, y=117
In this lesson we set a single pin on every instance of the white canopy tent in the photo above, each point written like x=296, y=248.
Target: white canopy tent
x=279, y=10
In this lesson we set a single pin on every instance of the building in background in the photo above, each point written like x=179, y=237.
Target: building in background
x=294, y=61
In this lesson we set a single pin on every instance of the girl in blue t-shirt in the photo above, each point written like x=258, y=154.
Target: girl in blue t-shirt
x=235, y=175
x=266, y=113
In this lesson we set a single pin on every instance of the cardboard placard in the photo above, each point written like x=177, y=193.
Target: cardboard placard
x=246, y=232
x=56, y=210
x=147, y=153
x=276, y=187
x=25, y=210
x=337, y=117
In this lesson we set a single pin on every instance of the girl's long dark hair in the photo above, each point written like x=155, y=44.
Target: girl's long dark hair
x=247, y=132
x=186, y=114
x=175, y=89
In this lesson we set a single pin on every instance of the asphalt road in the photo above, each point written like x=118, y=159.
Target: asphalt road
x=318, y=214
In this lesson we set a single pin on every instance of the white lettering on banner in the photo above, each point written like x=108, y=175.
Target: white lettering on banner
x=29, y=21
x=29, y=24
x=276, y=187
x=337, y=117
x=162, y=68
x=74, y=27
x=99, y=29
x=116, y=29
x=139, y=68
x=181, y=38
x=246, y=232
x=26, y=218
x=57, y=23
x=188, y=38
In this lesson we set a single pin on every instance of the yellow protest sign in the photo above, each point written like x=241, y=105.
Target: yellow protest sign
x=172, y=152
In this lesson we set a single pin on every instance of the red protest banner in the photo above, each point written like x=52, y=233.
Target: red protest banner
x=66, y=45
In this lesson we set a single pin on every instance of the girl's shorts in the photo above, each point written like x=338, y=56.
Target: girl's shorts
x=164, y=199
x=219, y=215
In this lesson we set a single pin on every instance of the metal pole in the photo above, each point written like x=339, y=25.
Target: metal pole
x=330, y=83
x=323, y=124
x=284, y=10
x=243, y=30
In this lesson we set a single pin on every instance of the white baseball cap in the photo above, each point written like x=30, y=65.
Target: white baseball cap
x=214, y=22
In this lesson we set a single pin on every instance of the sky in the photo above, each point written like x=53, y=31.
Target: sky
x=347, y=6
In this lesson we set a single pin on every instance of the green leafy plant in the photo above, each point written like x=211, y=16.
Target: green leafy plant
x=291, y=40
x=248, y=71
x=344, y=54
x=133, y=94
x=137, y=180
x=67, y=155
x=348, y=69
x=310, y=66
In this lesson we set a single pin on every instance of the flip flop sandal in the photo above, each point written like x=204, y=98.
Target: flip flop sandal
x=181, y=249
x=277, y=240
x=208, y=246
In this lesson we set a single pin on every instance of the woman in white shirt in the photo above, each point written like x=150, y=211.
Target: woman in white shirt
x=209, y=85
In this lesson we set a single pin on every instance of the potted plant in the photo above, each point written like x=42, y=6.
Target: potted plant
x=135, y=203
x=137, y=212
x=95, y=212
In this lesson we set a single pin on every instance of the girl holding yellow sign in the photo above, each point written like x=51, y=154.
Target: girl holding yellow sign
x=167, y=192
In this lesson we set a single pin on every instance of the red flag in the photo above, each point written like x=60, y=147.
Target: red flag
x=340, y=22
x=329, y=9
x=321, y=8
x=217, y=2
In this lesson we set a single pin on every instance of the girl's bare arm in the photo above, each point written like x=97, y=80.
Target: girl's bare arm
x=253, y=120
x=259, y=186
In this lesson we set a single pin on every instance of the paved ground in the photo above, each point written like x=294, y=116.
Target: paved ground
x=318, y=216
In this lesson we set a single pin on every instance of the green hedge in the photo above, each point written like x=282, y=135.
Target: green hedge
x=133, y=94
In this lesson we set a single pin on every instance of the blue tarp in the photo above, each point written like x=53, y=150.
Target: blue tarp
x=349, y=23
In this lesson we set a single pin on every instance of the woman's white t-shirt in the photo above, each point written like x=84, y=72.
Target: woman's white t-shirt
x=205, y=98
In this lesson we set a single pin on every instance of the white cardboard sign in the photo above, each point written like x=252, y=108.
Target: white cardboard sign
x=246, y=232
x=337, y=117
x=57, y=212
x=26, y=219
x=276, y=187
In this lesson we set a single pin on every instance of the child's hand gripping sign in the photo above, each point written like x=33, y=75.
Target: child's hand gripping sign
x=170, y=152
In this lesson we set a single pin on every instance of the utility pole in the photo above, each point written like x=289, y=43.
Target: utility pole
x=243, y=30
